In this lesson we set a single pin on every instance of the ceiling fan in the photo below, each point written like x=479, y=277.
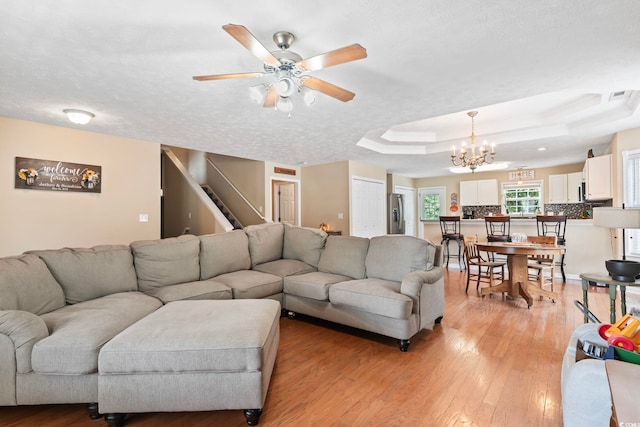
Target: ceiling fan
x=289, y=69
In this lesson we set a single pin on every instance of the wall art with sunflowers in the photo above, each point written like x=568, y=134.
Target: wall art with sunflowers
x=54, y=175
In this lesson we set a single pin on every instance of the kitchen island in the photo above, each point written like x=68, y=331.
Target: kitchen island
x=587, y=248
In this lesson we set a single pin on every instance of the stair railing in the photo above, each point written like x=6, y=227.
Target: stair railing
x=235, y=189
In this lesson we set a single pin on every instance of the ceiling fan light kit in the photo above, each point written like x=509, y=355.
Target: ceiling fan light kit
x=288, y=72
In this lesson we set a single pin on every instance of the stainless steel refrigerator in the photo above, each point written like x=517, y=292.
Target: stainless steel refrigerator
x=395, y=214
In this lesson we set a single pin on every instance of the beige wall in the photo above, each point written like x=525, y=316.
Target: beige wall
x=325, y=194
x=41, y=219
x=452, y=183
x=624, y=141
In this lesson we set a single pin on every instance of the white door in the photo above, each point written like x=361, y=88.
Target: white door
x=285, y=208
x=368, y=208
x=409, y=208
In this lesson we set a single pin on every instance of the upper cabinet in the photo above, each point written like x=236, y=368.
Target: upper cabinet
x=558, y=188
x=565, y=188
x=597, y=177
x=481, y=192
x=574, y=187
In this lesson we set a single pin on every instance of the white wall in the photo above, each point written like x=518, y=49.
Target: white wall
x=31, y=219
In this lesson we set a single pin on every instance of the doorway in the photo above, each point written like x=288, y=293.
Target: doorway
x=285, y=202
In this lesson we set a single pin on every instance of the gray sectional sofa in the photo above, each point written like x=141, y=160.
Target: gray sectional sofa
x=58, y=308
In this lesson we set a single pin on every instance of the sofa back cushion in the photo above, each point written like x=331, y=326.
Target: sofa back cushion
x=391, y=257
x=166, y=261
x=344, y=255
x=265, y=242
x=303, y=244
x=27, y=284
x=223, y=253
x=89, y=273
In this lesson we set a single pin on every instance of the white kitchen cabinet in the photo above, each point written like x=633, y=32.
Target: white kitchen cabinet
x=558, y=188
x=574, y=187
x=483, y=192
x=597, y=176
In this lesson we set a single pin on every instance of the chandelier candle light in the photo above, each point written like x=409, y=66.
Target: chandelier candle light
x=469, y=158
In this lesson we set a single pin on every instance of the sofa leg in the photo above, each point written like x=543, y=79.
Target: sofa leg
x=114, y=420
x=439, y=320
x=92, y=410
x=252, y=416
x=404, y=345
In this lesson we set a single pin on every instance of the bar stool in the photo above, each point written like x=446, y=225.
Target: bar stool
x=554, y=225
x=498, y=228
x=450, y=228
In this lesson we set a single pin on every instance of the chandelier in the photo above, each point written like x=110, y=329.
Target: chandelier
x=469, y=159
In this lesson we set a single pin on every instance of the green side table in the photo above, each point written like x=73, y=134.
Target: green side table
x=613, y=284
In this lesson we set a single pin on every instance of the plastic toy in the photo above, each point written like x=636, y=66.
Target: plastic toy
x=625, y=333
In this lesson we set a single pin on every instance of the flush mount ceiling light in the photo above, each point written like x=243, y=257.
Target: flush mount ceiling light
x=472, y=160
x=79, y=117
x=288, y=72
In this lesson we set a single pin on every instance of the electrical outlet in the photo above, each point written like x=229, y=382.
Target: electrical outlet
x=143, y=218
x=340, y=216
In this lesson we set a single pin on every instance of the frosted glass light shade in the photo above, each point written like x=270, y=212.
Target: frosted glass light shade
x=79, y=117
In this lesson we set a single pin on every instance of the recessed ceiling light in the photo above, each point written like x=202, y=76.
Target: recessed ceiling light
x=79, y=117
x=542, y=148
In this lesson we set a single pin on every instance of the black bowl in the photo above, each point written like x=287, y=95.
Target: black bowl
x=623, y=270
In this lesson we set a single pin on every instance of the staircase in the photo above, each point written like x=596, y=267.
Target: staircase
x=223, y=208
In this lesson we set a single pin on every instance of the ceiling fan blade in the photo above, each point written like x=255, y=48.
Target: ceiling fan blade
x=271, y=98
x=335, y=57
x=246, y=39
x=227, y=76
x=328, y=89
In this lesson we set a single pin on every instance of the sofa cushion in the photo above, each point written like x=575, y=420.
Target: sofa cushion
x=88, y=273
x=265, y=242
x=78, y=331
x=27, y=284
x=251, y=284
x=285, y=267
x=166, y=261
x=391, y=257
x=376, y=296
x=223, y=253
x=312, y=285
x=304, y=244
x=344, y=255
x=202, y=289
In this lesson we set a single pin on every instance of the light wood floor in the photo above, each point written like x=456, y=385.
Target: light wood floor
x=492, y=362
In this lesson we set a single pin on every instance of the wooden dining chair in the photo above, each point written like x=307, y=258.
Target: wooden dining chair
x=541, y=268
x=493, y=270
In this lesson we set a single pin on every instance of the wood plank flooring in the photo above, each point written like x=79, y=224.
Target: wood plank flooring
x=492, y=362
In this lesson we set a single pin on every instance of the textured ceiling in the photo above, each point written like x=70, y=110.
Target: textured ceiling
x=540, y=73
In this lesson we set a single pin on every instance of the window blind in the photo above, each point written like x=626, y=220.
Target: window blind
x=631, y=182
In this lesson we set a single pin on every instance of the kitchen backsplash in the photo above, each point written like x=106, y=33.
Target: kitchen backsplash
x=571, y=210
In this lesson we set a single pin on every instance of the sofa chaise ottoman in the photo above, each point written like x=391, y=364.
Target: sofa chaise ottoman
x=200, y=355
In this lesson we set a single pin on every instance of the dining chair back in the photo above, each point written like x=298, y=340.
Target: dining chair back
x=487, y=271
x=541, y=268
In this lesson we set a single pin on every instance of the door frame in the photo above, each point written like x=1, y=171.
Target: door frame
x=275, y=182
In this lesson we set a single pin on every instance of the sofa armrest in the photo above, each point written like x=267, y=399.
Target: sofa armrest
x=412, y=283
x=23, y=329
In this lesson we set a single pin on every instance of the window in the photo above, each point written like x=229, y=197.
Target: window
x=432, y=202
x=631, y=172
x=522, y=199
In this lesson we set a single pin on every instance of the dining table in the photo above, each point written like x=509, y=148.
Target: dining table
x=518, y=284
